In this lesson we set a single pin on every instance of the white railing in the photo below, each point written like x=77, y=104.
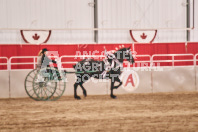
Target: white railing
x=141, y=63
x=98, y=29
x=151, y=59
x=173, y=60
x=143, y=56
x=4, y=64
x=34, y=62
x=22, y=63
x=99, y=57
x=195, y=59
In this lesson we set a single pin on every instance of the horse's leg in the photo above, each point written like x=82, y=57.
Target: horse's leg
x=80, y=80
x=75, y=88
x=84, y=91
x=118, y=80
x=75, y=91
x=85, y=77
x=112, y=87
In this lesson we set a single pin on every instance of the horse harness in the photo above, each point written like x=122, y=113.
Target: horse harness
x=110, y=65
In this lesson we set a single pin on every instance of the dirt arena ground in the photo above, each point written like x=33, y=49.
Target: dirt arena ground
x=133, y=112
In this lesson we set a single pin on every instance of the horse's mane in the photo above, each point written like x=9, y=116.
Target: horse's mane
x=123, y=49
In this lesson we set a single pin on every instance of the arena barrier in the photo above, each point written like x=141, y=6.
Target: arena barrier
x=18, y=71
x=172, y=79
x=143, y=70
x=17, y=78
x=4, y=79
x=196, y=70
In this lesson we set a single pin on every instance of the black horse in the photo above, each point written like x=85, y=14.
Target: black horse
x=109, y=68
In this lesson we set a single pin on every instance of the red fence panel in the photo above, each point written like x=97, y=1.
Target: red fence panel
x=192, y=47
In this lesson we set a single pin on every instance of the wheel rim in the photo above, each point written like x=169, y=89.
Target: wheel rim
x=46, y=86
x=29, y=85
x=43, y=86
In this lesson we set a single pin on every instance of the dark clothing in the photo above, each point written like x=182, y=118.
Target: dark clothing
x=45, y=61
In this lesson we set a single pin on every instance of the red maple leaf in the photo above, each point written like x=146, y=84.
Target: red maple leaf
x=143, y=36
x=35, y=37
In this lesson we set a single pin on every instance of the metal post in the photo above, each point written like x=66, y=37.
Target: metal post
x=173, y=59
x=96, y=20
x=9, y=70
x=195, y=72
x=188, y=19
x=34, y=63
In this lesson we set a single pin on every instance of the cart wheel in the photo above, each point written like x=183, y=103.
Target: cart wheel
x=49, y=84
x=29, y=85
x=60, y=89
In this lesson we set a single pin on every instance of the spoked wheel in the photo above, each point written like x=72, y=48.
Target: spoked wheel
x=29, y=85
x=60, y=89
x=49, y=84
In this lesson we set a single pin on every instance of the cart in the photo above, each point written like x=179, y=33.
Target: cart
x=46, y=84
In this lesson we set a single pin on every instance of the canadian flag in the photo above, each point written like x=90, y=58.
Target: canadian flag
x=147, y=36
x=35, y=36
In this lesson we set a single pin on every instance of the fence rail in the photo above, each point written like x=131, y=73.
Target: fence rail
x=98, y=29
x=22, y=63
x=4, y=64
x=150, y=59
x=34, y=62
x=173, y=60
x=195, y=59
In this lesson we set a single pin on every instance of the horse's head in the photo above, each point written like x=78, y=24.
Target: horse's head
x=124, y=54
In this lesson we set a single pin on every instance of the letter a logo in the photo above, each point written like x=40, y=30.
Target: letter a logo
x=129, y=80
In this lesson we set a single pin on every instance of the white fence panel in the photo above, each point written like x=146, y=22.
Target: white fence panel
x=196, y=77
x=144, y=84
x=196, y=71
x=17, y=78
x=4, y=84
x=4, y=79
x=174, y=79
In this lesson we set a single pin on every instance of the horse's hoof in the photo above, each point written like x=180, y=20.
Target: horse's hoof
x=77, y=97
x=116, y=87
x=113, y=97
x=85, y=94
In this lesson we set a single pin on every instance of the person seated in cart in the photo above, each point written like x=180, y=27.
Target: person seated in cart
x=44, y=61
